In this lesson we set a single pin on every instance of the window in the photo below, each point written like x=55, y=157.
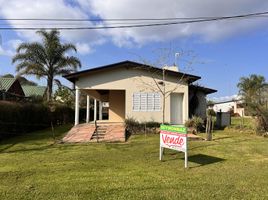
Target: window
x=143, y=101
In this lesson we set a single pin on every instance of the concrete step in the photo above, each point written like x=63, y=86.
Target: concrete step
x=99, y=134
x=102, y=128
x=107, y=131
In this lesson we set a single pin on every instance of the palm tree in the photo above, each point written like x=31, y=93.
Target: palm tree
x=254, y=93
x=252, y=88
x=47, y=59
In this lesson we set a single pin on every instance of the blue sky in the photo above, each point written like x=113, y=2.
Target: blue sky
x=225, y=50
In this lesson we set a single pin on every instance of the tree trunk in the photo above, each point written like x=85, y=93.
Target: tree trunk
x=209, y=133
x=49, y=88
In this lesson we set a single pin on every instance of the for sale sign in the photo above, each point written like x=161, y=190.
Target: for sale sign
x=173, y=137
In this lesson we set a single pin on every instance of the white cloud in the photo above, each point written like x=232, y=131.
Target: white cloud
x=9, y=48
x=206, y=32
x=14, y=43
x=48, y=9
x=173, y=8
x=83, y=48
x=5, y=52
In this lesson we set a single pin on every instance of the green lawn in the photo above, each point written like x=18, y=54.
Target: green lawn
x=245, y=122
x=233, y=166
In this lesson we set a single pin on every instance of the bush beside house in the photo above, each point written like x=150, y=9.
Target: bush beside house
x=135, y=127
x=17, y=118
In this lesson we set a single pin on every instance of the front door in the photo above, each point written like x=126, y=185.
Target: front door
x=176, y=108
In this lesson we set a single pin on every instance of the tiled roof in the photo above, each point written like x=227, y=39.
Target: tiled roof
x=6, y=83
x=33, y=90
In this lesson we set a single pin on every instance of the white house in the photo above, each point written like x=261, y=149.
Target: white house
x=227, y=106
x=133, y=91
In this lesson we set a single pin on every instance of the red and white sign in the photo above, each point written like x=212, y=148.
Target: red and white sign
x=173, y=141
x=174, y=137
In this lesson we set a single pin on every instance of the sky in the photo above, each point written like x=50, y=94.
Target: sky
x=220, y=52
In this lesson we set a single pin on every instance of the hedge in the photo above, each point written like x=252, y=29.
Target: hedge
x=17, y=118
x=135, y=127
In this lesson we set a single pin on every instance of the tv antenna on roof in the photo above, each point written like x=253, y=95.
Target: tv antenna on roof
x=176, y=56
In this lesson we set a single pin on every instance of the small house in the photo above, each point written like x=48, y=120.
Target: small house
x=142, y=92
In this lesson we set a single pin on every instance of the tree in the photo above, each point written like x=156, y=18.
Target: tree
x=7, y=76
x=21, y=79
x=64, y=95
x=24, y=81
x=47, y=59
x=159, y=77
x=253, y=90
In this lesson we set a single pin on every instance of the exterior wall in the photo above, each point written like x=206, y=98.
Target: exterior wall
x=226, y=106
x=16, y=89
x=116, y=106
x=240, y=111
x=135, y=80
x=201, y=109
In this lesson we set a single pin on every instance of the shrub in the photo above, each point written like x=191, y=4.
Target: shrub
x=261, y=124
x=135, y=127
x=195, y=122
x=211, y=112
x=17, y=118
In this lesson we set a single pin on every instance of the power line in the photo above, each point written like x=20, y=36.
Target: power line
x=131, y=19
x=169, y=22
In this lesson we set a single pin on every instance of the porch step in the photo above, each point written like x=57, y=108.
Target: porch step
x=79, y=133
x=99, y=133
x=107, y=132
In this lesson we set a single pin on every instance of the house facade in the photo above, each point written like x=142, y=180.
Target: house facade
x=134, y=90
x=235, y=106
x=198, y=100
x=10, y=88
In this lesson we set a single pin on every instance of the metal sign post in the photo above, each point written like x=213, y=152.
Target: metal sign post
x=175, y=138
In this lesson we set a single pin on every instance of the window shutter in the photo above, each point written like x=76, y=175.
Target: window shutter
x=150, y=101
x=143, y=101
x=157, y=102
x=136, y=102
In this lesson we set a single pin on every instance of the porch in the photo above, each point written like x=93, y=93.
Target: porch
x=107, y=123
x=109, y=105
x=101, y=131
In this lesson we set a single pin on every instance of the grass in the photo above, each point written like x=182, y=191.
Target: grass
x=245, y=122
x=233, y=166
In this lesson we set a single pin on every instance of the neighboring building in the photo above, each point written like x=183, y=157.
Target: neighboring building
x=198, y=100
x=30, y=90
x=131, y=92
x=10, y=88
x=235, y=106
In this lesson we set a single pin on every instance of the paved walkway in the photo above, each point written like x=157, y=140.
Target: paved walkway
x=79, y=133
x=114, y=132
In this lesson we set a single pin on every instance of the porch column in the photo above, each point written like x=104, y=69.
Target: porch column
x=77, y=92
x=95, y=109
x=100, y=110
x=88, y=109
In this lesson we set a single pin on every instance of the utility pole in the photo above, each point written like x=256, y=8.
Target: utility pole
x=164, y=95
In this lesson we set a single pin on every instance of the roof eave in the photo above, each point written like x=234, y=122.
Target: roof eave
x=74, y=76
